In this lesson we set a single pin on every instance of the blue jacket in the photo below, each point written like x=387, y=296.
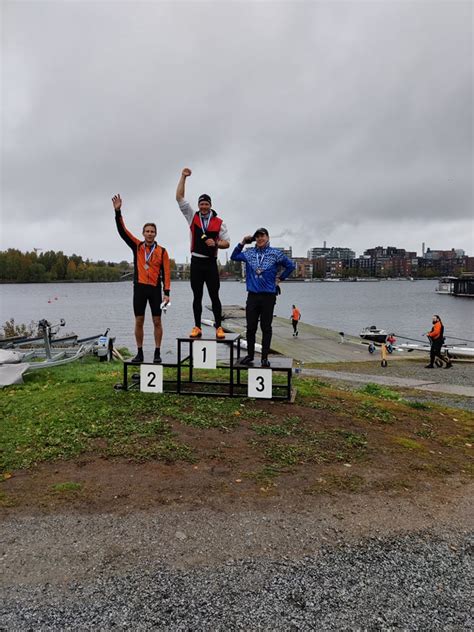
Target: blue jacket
x=268, y=260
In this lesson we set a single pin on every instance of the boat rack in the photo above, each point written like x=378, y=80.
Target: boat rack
x=192, y=354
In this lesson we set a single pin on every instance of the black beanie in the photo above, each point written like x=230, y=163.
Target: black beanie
x=205, y=198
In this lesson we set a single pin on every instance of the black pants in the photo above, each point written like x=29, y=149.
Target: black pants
x=435, y=352
x=259, y=307
x=204, y=270
x=295, y=325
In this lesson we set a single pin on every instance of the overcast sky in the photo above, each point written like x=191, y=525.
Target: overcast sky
x=349, y=122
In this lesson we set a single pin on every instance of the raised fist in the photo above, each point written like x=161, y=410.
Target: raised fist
x=117, y=202
x=186, y=172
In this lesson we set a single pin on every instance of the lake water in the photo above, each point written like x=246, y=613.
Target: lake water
x=89, y=308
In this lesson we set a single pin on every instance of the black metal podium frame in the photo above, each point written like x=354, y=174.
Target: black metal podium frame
x=126, y=386
x=229, y=340
x=234, y=387
x=278, y=364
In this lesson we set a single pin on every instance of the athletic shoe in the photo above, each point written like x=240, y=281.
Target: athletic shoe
x=196, y=332
x=157, y=358
x=296, y=334
x=138, y=359
x=247, y=360
x=265, y=362
x=220, y=333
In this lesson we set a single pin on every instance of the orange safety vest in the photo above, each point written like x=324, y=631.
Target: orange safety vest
x=436, y=331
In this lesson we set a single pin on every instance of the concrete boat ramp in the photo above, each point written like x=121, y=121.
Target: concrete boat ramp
x=313, y=344
x=318, y=344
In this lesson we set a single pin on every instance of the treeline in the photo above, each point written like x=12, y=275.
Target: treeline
x=31, y=267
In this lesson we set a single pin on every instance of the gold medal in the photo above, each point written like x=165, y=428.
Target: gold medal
x=204, y=236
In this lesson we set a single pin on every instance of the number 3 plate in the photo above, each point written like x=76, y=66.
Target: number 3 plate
x=260, y=383
x=151, y=378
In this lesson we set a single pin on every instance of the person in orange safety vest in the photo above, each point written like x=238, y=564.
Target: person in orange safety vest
x=436, y=337
x=295, y=317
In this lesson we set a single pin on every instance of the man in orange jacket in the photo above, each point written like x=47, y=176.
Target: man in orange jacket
x=436, y=336
x=151, y=271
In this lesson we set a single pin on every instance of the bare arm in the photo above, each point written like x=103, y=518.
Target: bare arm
x=180, y=190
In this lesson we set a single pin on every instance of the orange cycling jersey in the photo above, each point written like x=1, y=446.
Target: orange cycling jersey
x=153, y=270
x=296, y=314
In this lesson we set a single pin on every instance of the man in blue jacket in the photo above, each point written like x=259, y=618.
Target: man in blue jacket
x=265, y=267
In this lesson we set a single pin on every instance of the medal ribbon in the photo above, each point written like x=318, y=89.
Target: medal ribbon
x=147, y=256
x=205, y=221
x=260, y=259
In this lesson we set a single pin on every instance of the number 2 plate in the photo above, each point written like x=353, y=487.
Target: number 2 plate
x=260, y=383
x=151, y=378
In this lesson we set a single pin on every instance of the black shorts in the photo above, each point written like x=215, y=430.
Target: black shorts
x=143, y=293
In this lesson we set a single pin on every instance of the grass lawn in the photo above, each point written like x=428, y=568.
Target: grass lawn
x=328, y=440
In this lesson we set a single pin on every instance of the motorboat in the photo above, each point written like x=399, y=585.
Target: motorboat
x=374, y=334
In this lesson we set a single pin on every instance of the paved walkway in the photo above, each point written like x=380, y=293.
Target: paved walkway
x=422, y=385
x=313, y=344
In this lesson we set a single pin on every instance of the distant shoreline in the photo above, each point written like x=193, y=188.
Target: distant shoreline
x=224, y=280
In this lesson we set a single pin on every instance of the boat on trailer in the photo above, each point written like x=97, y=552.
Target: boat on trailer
x=29, y=355
x=373, y=334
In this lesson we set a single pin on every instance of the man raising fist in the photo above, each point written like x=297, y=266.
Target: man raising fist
x=208, y=233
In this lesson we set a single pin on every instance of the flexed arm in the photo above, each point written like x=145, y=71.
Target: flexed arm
x=237, y=254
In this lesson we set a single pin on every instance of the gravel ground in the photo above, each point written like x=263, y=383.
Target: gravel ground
x=429, y=397
x=415, y=582
x=461, y=373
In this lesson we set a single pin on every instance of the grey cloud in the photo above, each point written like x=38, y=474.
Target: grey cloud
x=315, y=116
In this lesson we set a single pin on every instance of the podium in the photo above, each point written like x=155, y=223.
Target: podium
x=195, y=355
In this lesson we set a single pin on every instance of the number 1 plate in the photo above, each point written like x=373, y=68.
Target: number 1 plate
x=260, y=383
x=151, y=378
x=204, y=354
